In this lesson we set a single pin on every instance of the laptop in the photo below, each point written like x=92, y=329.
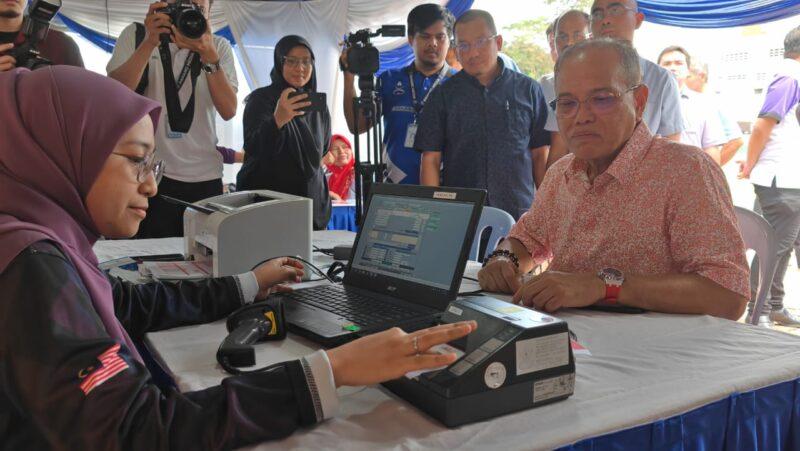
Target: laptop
x=405, y=268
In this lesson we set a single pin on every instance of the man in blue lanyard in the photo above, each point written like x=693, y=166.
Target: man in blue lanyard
x=404, y=91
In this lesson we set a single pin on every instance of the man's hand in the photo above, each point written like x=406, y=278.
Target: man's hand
x=156, y=24
x=744, y=170
x=553, y=290
x=7, y=62
x=203, y=46
x=273, y=272
x=392, y=353
x=288, y=108
x=343, y=63
x=500, y=275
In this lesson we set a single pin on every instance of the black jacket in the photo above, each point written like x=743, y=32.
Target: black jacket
x=287, y=160
x=43, y=360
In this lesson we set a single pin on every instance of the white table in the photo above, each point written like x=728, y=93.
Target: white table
x=642, y=368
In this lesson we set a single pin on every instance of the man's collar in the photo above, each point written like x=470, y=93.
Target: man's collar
x=626, y=162
x=500, y=74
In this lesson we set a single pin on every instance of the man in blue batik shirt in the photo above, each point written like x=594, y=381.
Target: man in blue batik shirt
x=430, y=28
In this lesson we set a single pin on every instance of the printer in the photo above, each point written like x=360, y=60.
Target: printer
x=237, y=231
x=516, y=359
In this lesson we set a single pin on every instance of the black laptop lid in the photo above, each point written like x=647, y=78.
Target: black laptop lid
x=414, y=242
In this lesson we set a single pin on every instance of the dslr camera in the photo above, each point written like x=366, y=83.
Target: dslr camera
x=363, y=58
x=35, y=27
x=187, y=17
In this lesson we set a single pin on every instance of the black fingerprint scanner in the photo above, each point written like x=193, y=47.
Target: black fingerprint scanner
x=516, y=359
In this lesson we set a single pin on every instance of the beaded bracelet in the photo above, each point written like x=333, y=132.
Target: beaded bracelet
x=502, y=253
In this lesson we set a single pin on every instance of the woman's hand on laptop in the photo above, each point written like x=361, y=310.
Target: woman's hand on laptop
x=392, y=353
x=276, y=271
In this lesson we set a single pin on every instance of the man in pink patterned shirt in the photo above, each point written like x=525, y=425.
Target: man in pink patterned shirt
x=627, y=218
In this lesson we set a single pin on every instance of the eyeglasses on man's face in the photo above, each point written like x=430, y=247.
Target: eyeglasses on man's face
x=613, y=10
x=295, y=62
x=599, y=103
x=480, y=44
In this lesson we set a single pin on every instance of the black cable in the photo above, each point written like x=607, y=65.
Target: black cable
x=305, y=262
x=471, y=293
x=223, y=362
x=328, y=252
x=470, y=278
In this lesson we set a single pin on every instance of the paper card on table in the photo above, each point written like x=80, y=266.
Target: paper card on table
x=578, y=349
x=176, y=270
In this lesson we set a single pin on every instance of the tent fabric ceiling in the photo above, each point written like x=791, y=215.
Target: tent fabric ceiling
x=717, y=13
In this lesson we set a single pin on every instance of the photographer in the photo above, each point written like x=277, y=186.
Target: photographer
x=56, y=47
x=203, y=78
x=430, y=28
x=284, y=144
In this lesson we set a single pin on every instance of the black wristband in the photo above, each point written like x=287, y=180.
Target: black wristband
x=502, y=253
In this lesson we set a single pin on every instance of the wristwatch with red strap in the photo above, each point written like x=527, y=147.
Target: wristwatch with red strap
x=613, y=278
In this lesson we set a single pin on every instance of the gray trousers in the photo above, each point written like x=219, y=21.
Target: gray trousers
x=781, y=208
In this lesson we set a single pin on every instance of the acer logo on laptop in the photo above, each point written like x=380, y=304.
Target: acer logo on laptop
x=391, y=288
x=444, y=195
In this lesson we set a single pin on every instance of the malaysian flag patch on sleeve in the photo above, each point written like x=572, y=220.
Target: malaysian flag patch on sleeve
x=111, y=364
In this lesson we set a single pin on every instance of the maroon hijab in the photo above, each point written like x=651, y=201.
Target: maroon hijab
x=58, y=126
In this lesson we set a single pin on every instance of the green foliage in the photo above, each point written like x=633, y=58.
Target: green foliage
x=564, y=5
x=526, y=41
x=531, y=57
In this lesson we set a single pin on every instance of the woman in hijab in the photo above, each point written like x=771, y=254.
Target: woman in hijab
x=340, y=169
x=77, y=163
x=283, y=145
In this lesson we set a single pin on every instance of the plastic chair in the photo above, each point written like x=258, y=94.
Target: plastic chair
x=500, y=223
x=759, y=236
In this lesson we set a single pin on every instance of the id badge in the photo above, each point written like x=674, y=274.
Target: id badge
x=411, y=133
x=173, y=135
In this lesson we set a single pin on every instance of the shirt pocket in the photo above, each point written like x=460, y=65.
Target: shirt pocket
x=518, y=123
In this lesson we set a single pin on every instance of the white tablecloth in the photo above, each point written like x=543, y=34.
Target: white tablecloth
x=641, y=368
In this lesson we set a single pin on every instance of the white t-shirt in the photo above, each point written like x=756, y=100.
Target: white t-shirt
x=662, y=114
x=780, y=159
x=701, y=121
x=191, y=157
x=549, y=90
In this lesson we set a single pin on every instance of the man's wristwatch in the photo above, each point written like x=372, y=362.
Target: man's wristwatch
x=613, y=278
x=210, y=68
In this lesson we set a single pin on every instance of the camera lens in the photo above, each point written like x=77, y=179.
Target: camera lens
x=191, y=23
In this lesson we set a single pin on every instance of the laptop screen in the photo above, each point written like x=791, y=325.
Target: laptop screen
x=413, y=239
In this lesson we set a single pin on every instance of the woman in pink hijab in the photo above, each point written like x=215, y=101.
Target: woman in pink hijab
x=76, y=163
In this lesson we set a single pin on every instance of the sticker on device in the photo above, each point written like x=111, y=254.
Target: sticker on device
x=444, y=195
x=542, y=353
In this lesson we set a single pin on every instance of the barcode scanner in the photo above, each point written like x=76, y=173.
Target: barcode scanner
x=261, y=321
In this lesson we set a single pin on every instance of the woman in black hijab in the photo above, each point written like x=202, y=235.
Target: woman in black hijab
x=284, y=146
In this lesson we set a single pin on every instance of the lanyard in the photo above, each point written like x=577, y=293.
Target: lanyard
x=187, y=66
x=418, y=105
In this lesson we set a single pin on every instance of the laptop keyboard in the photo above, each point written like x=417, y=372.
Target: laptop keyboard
x=356, y=307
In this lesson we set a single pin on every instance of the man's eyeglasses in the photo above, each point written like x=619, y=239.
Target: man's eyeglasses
x=480, y=44
x=576, y=36
x=145, y=166
x=599, y=103
x=294, y=62
x=614, y=10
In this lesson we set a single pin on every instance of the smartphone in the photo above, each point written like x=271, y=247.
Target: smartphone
x=318, y=101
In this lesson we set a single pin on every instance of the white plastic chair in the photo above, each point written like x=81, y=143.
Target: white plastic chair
x=500, y=223
x=759, y=236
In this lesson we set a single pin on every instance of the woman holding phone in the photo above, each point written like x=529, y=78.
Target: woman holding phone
x=284, y=142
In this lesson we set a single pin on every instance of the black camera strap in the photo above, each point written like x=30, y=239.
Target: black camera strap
x=180, y=119
x=419, y=104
